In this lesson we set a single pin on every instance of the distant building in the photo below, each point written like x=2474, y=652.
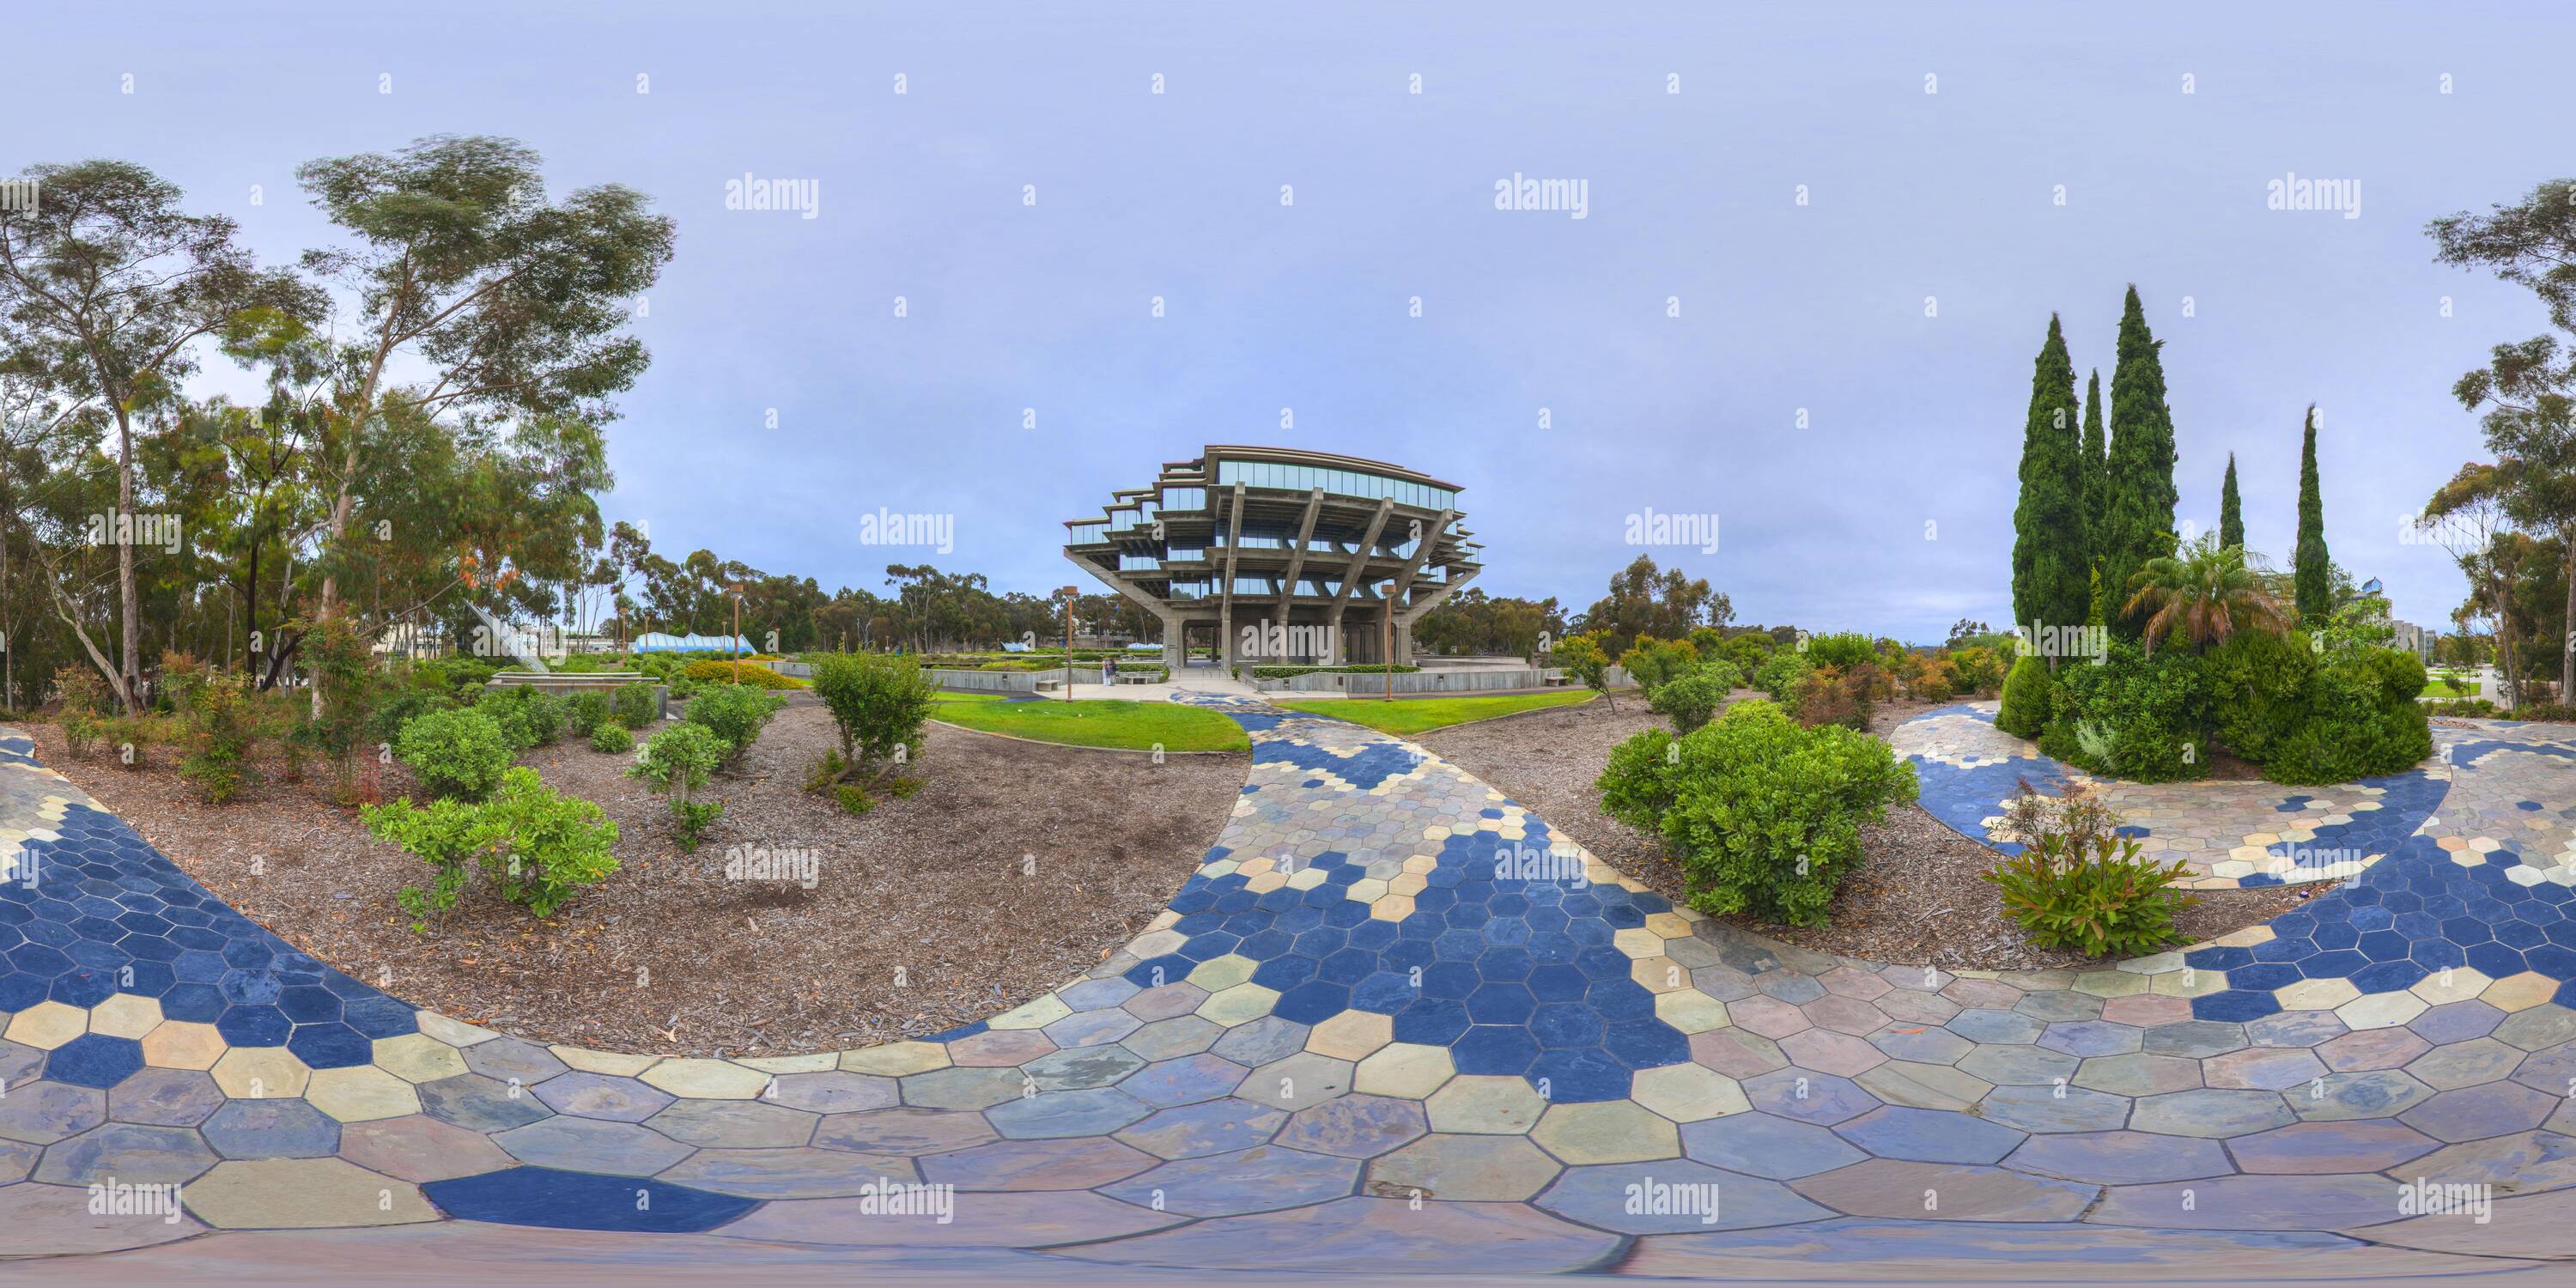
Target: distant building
x=2413, y=639
x=1273, y=554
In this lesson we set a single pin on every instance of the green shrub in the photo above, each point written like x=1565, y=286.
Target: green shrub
x=529, y=717
x=2473, y=708
x=539, y=845
x=1746, y=651
x=1842, y=648
x=747, y=673
x=1651, y=663
x=2258, y=690
x=1978, y=671
x=735, y=713
x=406, y=704
x=1764, y=815
x=634, y=705
x=585, y=712
x=853, y=799
x=454, y=674
x=2134, y=715
x=611, y=738
x=679, y=760
x=1691, y=699
x=455, y=753
x=2101, y=900
x=1781, y=674
x=878, y=706
x=2028, y=692
x=1580, y=657
x=219, y=721
x=2362, y=721
x=1637, y=785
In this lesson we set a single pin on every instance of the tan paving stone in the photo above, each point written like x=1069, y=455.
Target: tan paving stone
x=1351, y=1035
x=1688, y=1093
x=183, y=1044
x=1485, y=1105
x=361, y=1093
x=1607, y=1131
x=707, y=1079
x=1407, y=1069
x=1492, y=1168
x=896, y=1059
x=126, y=1015
x=261, y=1073
x=418, y=1057
x=47, y=1024
x=302, y=1194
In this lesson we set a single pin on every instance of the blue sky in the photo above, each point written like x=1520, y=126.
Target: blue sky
x=1890, y=511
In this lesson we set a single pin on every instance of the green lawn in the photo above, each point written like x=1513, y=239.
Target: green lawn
x=1407, y=716
x=962, y=695
x=1136, y=726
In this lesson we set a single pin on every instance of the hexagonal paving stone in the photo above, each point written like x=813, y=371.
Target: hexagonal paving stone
x=2056, y=1109
x=1930, y=1136
x=1078, y=1163
x=2211, y=1114
x=789, y=1173
x=1355, y=1126
x=41, y=1113
x=904, y=1131
x=1209, y=1127
x=421, y=1148
x=165, y=1098
x=1819, y=1098
x=1173, y=1038
x=302, y=1193
x=1759, y=1144
x=271, y=1129
x=963, y=1088
x=2367, y=1145
x=2263, y=1069
x=1606, y=1132
x=2475, y=1113
x=1264, y=1178
x=507, y=1058
x=1477, y=1104
x=1687, y=1093
x=703, y=1079
x=177, y=1044
x=1451, y=1166
x=127, y=1153
x=2138, y=1075
x=2020, y=1066
x=593, y=1145
x=1672, y=1196
x=418, y=1057
x=2378, y=1049
x=361, y=1093
x=2383, y=1093
x=2466, y=1064
x=592, y=1095
x=735, y=1124
x=1093, y=1112
x=482, y=1104
x=1893, y=1188
x=2120, y=1157
x=1300, y=1080
x=260, y=1073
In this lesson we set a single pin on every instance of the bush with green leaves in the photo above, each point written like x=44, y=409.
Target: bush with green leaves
x=1977, y=670
x=735, y=713
x=402, y=705
x=612, y=738
x=1763, y=814
x=2099, y=899
x=457, y=753
x=1689, y=700
x=219, y=716
x=2029, y=692
x=585, y=712
x=879, y=706
x=635, y=706
x=539, y=846
x=529, y=716
x=1651, y=663
x=1842, y=648
x=2258, y=690
x=2362, y=721
x=2135, y=715
x=679, y=760
x=1781, y=674
x=1581, y=657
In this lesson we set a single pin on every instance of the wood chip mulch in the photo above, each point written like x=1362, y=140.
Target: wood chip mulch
x=1015, y=868
x=1919, y=897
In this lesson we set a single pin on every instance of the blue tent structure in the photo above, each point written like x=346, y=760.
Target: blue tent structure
x=657, y=642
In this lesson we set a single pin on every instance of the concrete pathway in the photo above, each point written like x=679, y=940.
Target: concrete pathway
x=1391, y=1024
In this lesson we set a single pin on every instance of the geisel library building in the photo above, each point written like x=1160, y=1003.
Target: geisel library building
x=1277, y=556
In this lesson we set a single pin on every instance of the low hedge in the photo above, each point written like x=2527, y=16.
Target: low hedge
x=2134, y=715
x=2029, y=693
x=751, y=673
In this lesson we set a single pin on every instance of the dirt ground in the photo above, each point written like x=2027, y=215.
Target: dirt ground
x=1918, y=898
x=1014, y=868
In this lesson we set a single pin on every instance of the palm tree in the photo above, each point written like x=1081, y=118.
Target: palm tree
x=2203, y=594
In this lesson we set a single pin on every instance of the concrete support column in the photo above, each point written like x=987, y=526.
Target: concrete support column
x=1175, y=655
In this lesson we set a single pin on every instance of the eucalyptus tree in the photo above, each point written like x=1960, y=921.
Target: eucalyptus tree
x=107, y=286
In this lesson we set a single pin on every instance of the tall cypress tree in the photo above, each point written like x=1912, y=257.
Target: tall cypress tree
x=2310, y=574
x=2139, y=521
x=2050, y=581
x=2231, y=509
x=2097, y=495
